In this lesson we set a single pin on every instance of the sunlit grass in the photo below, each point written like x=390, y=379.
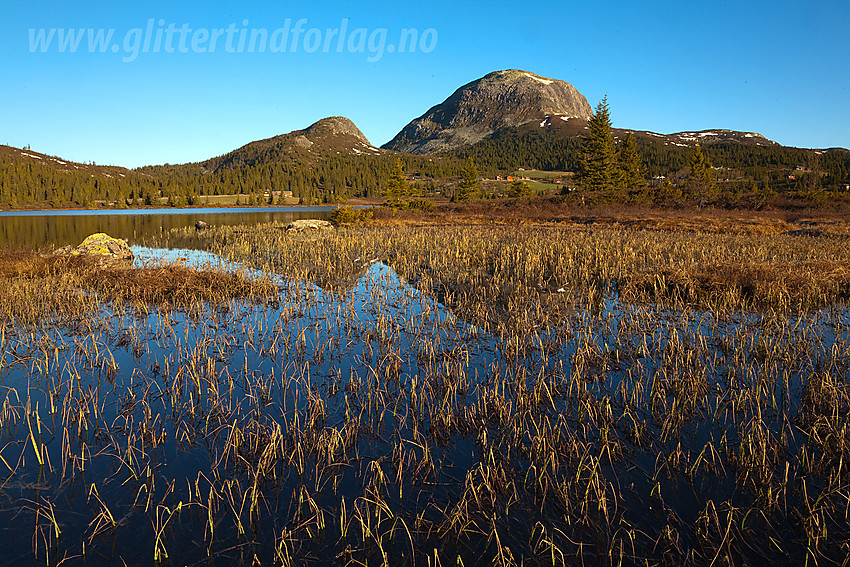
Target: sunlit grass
x=589, y=396
x=47, y=287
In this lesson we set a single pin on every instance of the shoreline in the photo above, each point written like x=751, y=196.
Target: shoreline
x=353, y=202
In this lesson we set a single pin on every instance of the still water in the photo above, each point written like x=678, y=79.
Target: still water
x=40, y=229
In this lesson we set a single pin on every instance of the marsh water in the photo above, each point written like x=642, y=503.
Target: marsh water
x=365, y=423
x=41, y=229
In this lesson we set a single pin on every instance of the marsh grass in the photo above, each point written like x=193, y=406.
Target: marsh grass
x=488, y=271
x=497, y=397
x=71, y=287
x=556, y=212
x=782, y=285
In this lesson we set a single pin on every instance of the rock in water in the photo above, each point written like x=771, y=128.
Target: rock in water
x=309, y=225
x=105, y=246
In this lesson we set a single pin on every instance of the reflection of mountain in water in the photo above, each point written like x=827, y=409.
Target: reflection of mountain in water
x=369, y=289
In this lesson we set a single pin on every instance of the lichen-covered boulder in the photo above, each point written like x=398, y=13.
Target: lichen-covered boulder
x=309, y=225
x=105, y=246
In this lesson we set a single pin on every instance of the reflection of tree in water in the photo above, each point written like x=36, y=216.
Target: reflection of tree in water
x=44, y=230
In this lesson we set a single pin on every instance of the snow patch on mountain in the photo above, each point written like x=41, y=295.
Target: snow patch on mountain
x=539, y=80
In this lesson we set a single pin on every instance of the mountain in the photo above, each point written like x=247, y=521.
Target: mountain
x=515, y=102
x=497, y=101
x=328, y=161
x=702, y=138
x=30, y=178
x=333, y=135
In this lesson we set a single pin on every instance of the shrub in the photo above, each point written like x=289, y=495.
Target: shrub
x=348, y=215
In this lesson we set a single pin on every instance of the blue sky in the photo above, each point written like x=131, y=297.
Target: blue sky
x=778, y=68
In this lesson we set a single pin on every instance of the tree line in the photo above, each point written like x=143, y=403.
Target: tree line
x=730, y=174
x=322, y=179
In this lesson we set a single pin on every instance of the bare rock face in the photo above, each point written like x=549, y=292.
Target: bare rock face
x=303, y=142
x=332, y=127
x=104, y=246
x=503, y=99
x=309, y=225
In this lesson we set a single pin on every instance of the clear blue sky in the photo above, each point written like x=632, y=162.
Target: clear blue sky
x=778, y=68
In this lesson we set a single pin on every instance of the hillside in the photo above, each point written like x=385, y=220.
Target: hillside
x=329, y=136
x=511, y=102
x=741, y=159
x=497, y=101
x=29, y=177
x=27, y=156
x=328, y=161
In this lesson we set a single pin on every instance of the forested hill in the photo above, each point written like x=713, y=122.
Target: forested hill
x=742, y=157
x=327, y=162
x=28, y=178
x=333, y=135
x=32, y=178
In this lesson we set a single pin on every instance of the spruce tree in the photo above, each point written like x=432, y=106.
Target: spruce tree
x=397, y=186
x=468, y=184
x=519, y=188
x=702, y=182
x=599, y=170
x=630, y=166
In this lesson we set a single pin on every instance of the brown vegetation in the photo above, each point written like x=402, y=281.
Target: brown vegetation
x=782, y=284
x=579, y=414
x=556, y=212
x=70, y=286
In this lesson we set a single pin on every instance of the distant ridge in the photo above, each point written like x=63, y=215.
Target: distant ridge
x=64, y=165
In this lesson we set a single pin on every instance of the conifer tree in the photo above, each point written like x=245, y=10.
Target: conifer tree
x=468, y=184
x=702, y=182
x=629, y=162
x=397, y=186
x=519, y=188
x=599, y=170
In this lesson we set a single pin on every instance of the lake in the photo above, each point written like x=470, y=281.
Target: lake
x=39, y=229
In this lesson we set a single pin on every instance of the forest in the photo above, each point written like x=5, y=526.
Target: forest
x=323, y=179
x=810, y=176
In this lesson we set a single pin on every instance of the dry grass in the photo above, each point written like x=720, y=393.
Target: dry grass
x=38, y=286
x=494, y=272
x=373, y=427
x=542, y=212
x=780, y=284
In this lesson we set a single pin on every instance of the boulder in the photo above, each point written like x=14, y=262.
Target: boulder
x=309, y=225
x=104, y=246
x=201, y=225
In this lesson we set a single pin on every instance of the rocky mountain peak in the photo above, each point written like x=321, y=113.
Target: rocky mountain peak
x=502, y=99
x=332, y=127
